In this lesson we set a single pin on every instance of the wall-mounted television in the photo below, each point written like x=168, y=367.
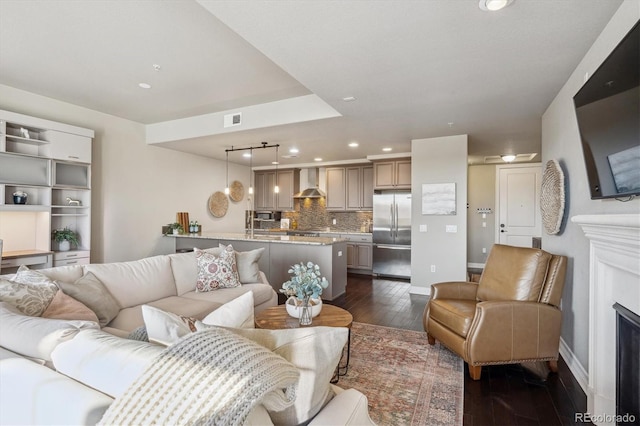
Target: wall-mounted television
x=608, y=113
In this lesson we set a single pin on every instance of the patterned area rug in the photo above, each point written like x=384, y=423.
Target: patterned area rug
x=407, y=381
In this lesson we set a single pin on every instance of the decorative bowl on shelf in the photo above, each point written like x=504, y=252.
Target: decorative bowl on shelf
x=19, y=197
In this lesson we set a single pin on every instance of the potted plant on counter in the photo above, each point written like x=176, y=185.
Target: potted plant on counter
x=174, y=228
x=65, y=237
x=304, y=290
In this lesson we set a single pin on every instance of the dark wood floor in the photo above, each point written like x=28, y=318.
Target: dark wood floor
x=505, y=395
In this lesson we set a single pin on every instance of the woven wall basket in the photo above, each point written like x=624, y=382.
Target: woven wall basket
x=218, y=204
x=236, y=191
x=552, y=197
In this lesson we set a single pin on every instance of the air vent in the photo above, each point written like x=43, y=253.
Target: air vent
x=234, y=119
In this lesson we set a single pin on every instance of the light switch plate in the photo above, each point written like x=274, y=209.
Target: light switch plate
x=423, y=228
x=452, y=228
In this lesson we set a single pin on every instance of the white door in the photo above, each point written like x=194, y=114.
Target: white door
x=518, y=215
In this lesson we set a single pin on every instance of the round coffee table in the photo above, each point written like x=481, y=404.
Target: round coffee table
x=277, y=318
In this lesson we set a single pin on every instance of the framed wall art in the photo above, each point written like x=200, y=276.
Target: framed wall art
x=438, y=198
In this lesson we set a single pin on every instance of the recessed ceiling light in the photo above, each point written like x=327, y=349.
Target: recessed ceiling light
x=246, y=155
x=144, y=85
x=494, y=5
x=508, y=158
x=349, y=98
x=156, y=67
x=317, y=159
x=387, y=149
x=294, y=150
x=353, y=144
x=275, y=162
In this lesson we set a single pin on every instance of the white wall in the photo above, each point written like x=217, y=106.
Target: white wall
x=482, y=194
x=561, y=141
x=438, y=160
x=136, y=188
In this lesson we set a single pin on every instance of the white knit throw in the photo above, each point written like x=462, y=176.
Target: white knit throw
x=212, y=377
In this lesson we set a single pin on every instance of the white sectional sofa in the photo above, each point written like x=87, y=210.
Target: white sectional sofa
x=69, y=372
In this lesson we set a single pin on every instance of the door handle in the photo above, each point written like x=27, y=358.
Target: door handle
x=391, y=221
x=397, y=221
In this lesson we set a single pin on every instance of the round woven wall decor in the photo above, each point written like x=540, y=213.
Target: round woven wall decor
x=218, y=204
x=552, y=197
x=236, y=191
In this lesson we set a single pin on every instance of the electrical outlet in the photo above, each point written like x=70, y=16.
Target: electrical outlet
x=339, y=253
x=423, y=228
x=335, y=221
x=433, y=268
x=484, y=249
x=484, y=224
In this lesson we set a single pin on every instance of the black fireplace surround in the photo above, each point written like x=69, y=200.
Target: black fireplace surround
x=627, y=365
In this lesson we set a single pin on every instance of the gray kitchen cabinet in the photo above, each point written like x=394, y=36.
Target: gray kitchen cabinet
x=289, y=183
x=395, y=174
x=350, y=188
x=266, y=198
x=336, y=189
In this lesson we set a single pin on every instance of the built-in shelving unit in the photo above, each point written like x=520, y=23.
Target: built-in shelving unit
x=51, y=163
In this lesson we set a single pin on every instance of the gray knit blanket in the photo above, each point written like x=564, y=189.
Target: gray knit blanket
x=212, y=377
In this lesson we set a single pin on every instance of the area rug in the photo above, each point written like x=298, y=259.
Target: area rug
x=407, y=381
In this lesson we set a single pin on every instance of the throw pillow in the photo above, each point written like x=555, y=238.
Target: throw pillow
x=139, y=334
x=216, y=272
x=316, y=352
x=90, y=291
x=30, y=299
x=237, y=313
x=163, y=327
x=166, y=328
x=247, y=263
x=25, y=275
x=66, y=307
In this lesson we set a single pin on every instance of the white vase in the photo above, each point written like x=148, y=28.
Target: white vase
x=294, y=307
x=64, y=245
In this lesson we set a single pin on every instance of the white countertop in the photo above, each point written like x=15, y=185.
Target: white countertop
x=322, y=241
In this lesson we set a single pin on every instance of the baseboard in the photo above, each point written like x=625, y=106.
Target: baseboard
x=475, y=265
x=425, y=291
x=578, y=371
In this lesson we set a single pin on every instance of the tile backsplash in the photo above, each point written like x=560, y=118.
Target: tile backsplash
x=311, y=214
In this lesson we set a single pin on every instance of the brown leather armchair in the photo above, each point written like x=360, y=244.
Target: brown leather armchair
x=510, y=316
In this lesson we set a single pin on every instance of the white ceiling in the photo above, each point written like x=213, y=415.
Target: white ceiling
x=414, y=66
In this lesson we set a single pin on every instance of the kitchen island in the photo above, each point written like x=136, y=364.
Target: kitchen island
x=282, y=251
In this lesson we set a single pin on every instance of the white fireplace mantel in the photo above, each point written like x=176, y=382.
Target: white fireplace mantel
x=614, y=277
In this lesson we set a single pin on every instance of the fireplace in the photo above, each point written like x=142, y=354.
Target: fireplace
x=614, y=277
x=627, y=365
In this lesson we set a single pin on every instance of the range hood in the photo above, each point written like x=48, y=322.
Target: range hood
x=312, y=190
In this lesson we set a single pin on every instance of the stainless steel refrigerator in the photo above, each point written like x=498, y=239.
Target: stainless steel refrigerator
x=392, y=233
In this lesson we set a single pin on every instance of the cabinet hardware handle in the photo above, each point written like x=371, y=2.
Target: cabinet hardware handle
x=72, y=255
x=75, y=157
x=71, y=262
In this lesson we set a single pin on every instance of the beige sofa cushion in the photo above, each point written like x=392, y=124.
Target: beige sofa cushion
x=137, y=282
x=103, y=361
x=95, y=295
x=67, y=274
x=261, y=294
x=35, y=337
x=131, y=318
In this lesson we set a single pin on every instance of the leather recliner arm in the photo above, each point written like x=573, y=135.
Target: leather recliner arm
x=513, y=331
x=454, y=290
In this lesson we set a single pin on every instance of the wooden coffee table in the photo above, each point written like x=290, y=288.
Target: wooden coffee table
x=277, y=318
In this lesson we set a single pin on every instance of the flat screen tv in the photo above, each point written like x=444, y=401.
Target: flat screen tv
x=608, y=112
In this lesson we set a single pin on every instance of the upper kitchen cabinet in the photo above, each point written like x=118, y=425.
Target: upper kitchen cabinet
x=394, y=174
x=350, y=188
x=266, y=198
x=289, y=184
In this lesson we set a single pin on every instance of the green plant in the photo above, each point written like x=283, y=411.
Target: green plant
x=306, y=281
x=174, y=225
x=65, y=234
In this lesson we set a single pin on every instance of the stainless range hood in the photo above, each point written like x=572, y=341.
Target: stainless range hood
x=312, y=190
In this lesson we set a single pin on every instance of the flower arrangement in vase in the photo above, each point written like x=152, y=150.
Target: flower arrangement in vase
x=304, y=290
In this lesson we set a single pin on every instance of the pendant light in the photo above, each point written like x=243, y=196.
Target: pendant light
x=276, y=189
x=226, y=189
x=251, y=171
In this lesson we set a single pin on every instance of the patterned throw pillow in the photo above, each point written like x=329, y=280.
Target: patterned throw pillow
x=216, y=272
x=29, y=291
